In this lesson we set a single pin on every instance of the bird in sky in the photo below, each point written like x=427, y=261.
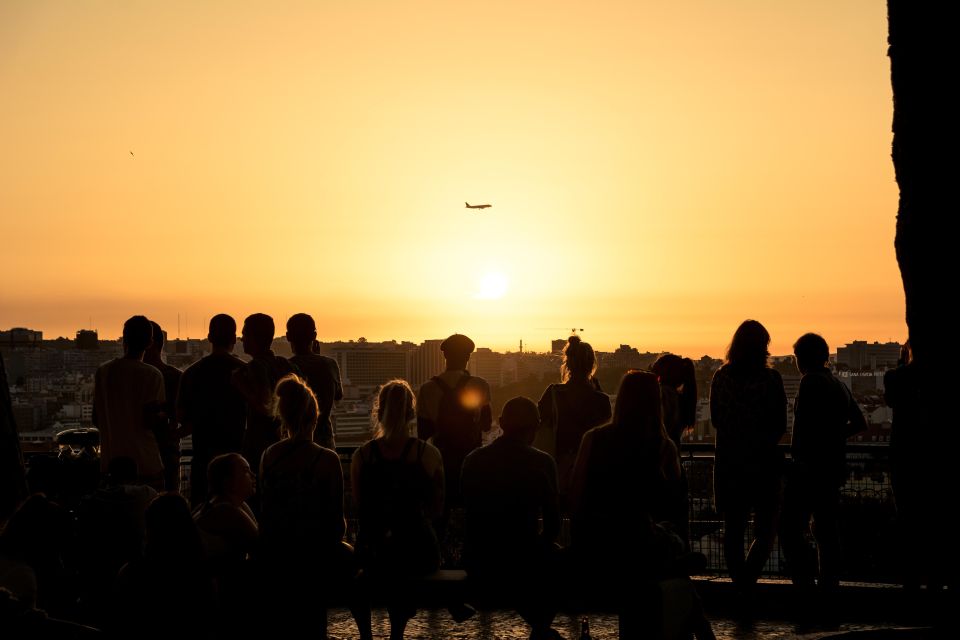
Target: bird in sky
x=131, y=155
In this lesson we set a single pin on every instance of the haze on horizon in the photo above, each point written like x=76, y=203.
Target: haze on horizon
x=657, y=173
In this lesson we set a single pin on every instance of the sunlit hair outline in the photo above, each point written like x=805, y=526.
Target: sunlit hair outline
x=394, y=409
x=296, y=406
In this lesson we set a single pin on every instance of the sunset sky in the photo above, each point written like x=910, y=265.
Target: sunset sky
x=658, y=171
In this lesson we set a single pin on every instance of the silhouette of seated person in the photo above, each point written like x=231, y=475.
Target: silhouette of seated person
x=302, y=521
x=33, y=544
x=167, y=591
x=453, y=411
x=209, y=406
x=110, y=531
x=320, y=372
x=825, y=415
x=627, y=497
x=397, y=482
x=227, y=526
x=167, y=431
x=126, y=397
x=513, y=517
x=257, y=381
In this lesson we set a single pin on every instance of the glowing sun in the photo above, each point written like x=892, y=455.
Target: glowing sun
x=492, y=286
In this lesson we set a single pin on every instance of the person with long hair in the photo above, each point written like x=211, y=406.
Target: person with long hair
x=627, y=500
x=398, y=484
x=302, y=523
x=570, y=409
x=748, y=408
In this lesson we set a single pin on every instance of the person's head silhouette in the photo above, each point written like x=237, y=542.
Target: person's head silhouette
x=156, y=346
x=296, y=407
x=811, y=351
x=456, y=350
x=395, y=408
x=579, y=360
x=137, y=336
x=519, y=419
x=223, y=332
x=301, y=332
x=257, y=334
x=748, y=349
x=638, y=406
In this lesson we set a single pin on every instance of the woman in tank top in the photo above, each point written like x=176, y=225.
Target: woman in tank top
x=397, y=482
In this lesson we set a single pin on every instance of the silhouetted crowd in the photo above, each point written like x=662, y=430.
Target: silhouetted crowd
x=260, y=546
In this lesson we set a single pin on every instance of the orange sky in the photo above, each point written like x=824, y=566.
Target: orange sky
x=657, y=173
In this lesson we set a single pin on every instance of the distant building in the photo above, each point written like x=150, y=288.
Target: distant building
x=426, y=361
x=353, y=423
x=626, y=357
x=367, y=365
x=488, y=365
x=791, y=385
x=556, y=346
x=87, y=340
x=18, y=337
x=860, y=355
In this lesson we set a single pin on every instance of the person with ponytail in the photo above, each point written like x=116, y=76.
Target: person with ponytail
x=570, y=409
x=302, y=522
x=398, y=484
x=678, y=397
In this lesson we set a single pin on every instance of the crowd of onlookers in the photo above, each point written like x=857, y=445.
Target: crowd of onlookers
x=260, y=546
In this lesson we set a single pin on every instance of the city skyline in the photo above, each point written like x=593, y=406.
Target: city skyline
x=657, y=173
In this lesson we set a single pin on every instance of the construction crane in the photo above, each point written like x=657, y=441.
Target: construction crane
x=573, y=330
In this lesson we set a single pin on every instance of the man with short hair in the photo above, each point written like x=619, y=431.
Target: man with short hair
x=127, y=395
x=453, y=408
x=321, y=373
x=825, y=415
x=508, y=487
x=168, y=437
x=257, y=380
x=209, y=406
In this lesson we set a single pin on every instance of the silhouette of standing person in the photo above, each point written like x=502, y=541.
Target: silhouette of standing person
x=825, y=415
x=257, y=381
x=453, y=411
x=678, y=396
x=127, y=395
x=210, y=407
x=168, y=436
x=748, y=408
x=570, y=409
x=320, y=372
x=397, y=482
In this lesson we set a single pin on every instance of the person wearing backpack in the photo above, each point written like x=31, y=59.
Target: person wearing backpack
x=825, y=415
x=453, y=411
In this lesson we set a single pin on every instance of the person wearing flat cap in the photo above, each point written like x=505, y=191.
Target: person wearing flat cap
x=453, y=410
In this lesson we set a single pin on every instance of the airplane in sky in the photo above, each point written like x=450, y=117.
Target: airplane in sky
x=477, y=206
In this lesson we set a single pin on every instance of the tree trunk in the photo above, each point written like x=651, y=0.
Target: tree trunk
x=923, y=70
